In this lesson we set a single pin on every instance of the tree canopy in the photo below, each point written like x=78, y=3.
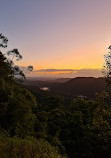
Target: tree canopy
x=52, y=126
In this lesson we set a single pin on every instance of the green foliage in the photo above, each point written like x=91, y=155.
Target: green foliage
x=5, y=68
x=16, y=103
x=16, y=109
x=26, y=148
x=52, y=127
x=80, y=129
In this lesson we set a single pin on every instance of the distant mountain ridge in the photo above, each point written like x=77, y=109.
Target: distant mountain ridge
x=48, y=79
x=86, y=86
x=80, y=86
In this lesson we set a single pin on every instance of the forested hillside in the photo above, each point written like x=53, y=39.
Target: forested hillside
x=85, y=87
x=17, y=114
x=44, y=125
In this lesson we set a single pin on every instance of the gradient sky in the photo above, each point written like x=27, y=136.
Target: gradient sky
x=58, y=34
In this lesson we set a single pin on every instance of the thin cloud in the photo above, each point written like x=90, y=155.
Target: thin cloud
x=54, y=70
x=71, y=73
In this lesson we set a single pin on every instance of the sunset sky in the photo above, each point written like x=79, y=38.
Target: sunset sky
x=58, y=37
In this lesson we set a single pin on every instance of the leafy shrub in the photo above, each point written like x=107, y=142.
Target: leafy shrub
x=26, y=148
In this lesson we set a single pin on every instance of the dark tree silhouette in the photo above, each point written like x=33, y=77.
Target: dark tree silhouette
x=15, y=53
x=106, y=70
x=30, y=68
x=3, y=41
x=15, y=71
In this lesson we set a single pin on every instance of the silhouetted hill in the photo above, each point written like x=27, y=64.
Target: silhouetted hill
x=82, y=86
x=60, y=80
x=48, y=79
x=40, y=78
x=76, y=87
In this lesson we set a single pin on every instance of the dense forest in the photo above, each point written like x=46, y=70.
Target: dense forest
x=44, y=125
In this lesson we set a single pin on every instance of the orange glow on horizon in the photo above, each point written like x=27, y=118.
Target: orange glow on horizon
x=54, y=73
x=92, y=58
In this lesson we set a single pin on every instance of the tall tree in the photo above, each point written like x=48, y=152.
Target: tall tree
x=106, y=70
x=16, y=103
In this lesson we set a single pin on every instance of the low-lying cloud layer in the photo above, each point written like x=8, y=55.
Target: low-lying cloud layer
x=71, y=73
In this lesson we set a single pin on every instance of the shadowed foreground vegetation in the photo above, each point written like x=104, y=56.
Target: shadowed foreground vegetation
x=26, y=148
x=42, y=125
